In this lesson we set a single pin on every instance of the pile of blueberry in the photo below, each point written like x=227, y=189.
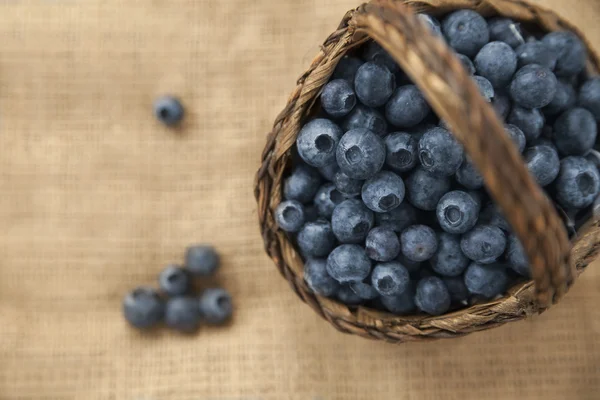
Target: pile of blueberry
x=173, y=304
x=383, y=203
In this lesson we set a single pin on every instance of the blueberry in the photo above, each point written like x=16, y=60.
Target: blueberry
x=457, y=212
x=338, y=98
x=570, y=50
x=517, y=136
x=418, y=243
x=467, y=63
x=201, y=260
x=383, y=192
x=424, y=189
x=143, y=307
x=289, y=215
x=377, y=54
x=485, y=88
x=328, y=172
x=365, y=118
x=348, y=263
x=483, y=244
x=533, y=86
x=182, y=314
x=168, y=110
x=351, y=221
x=382, y=244
x=360, y=153
x=449, y=259
x=564, y=99
x=404, y=303
x=575, y=132
x=397, y=219
x=407, y=107
x=317, y=278
x=390, y=279
x=316, y=239
x=491, y=215
x=589, y=97
x=347, y=296
x=432, y=23
x=302, y=184
x=317, y=141
x=516, y=257
x=439, y=152
x=487, y=281
x=536, y=53
x=346, y=69
x=432, y=296
x=363, y=290
x=374, y=84
x=174, y=281
x=543, y=163
x=457, y=289
x=530, y=121
x=497, y=62
x=577, y=184
x=326, y=199
x=215, y=306
x=346, y=185
x=502, y=105
x=466, y=31
x=401, y=151
x=468, y=176
x=506, y=30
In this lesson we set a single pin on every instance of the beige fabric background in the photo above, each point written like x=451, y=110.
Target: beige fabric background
x=96, y=197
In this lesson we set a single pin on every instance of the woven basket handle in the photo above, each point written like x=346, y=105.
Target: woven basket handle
x=457, y=100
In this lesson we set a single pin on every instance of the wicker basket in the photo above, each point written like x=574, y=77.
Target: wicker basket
x=555, y=262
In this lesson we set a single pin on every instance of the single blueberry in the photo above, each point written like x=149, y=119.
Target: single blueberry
x=439, y=152
x=383, y=192
x=502, y=105
x=382, y=244
x=289, y=215
x=536, y=53
x=317, y=141
x=328, y=172
x=317, y=278
x=497, y=62
x=362, y=117
x=575, y=132
x=347, y=296
x=348, y=263
x=338, y=98
x=432, y=296
x=457, y=289
x=485, y=88
x=543, y=163
x=174, y=281
x=432, y=23
x=564, y=99
x=168, y=110
x=487, y=281
x=571, y=52
x=390, y=278
x=424, y=189
x=401, y=151
x=589, y=97
x=466, y=31
x=468, y=176
x=418, y=243
x=491, y=215
x=483, y=244
x=397, y=219
x=302, y=184
x=374, y=84
x=201, y=260
x=457, y=212
x=517, y=136
x=182, y=314
x=404, y=303
x=316, y=239
x=143, y=307
x=360, y=154
x=326, y=199
x=346, y=185
x=506, y=30
x=533, y=86
x=530, y=121
x=377, y=54
x=467, y=63
x=407, y=107
x=363, y=290
x=215, y=306
x=346, y=69
x=449, y=259
x=351, y=221
x=516, y=257
x=577, y=184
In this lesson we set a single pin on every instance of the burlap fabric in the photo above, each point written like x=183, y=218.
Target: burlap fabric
x=97, y=197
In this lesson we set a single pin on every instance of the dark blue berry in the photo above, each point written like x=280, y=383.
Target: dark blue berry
x=491, y=215
x=502, y=105
x=401, y=151
x=347, y=296
x=487, y=281
x=536, y=53
x=397, y=219
x=564, y=99
x=328, y=172
x=201, y=260
x=302, y=184
x=348, y=263
x=351, y=221
x=589, y=97
x=363, y=290
x=533, y=86
x=168, y=110
x=577, y=184
x=143, y=307
x=362, y=117
x=485, y=88
x=383, y=192
x=404, y=303
x=317, y=141
x=483, y=244
x=382, y=244
x=215, y=306
x=439, y=152
x=449, y=259
x=457, y=212
x=457, y=289
x=377, y=54
x=407, y=107
x=424, y=189
x=346, y=69
x=360, y=154
x=497, y=62
x=390, y=279
x=571, y=52
x=326, y=199
x=374, y=84
x=468, y=176
x=174, y=281
x=316, y=239
x=517, y=136
x=516, y=257
x=290, y=216
x=506, y=30
x=346, y=185
x=432, y=23
x=530, y=121
x=575, y=132
x=338, y=98
x=543, y=163
x=467, y=63
x=418, y=243
x=466, y=31
x=182, y=314
x=317, y=278
x=432, y=296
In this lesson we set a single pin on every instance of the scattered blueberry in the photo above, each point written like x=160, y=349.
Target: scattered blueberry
x=466, y=31
x=348, y=263
x=168, y=110
x=215, y=306
x=182, y=313
x=302, y=184
x=143, y=308
x=424, y=189
x=449, y=259
x=338, y=98
x=174, y=281
x=289, y=215
x=575, y=132
x=201, y=260
x=390, y=278
x=483, y=244
x=530, y=121
x=533, y=86
x=316, y=238
x=418, y=243
x=401, y=151
x=543, y=163
x=374, y=84
x=326, y=199
x=382, y=244
x=497, y=62
x=506, y=30
x=577, y=184
x=360, y=153
x=317, y=141
x=589, y=97
x=485, y=88
x=346, y=69
x=397, y=219
x=362, y=117
x=351, y=221
x=468, y=176
x=407, y=107
x=516, y=257
x=457, y=212
x=570, y=50
x=317, y=278
x=346, y=185
x=487, y=281
x=383, y=192
x=432, y=296
x=536, y=53
x=439, y=152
